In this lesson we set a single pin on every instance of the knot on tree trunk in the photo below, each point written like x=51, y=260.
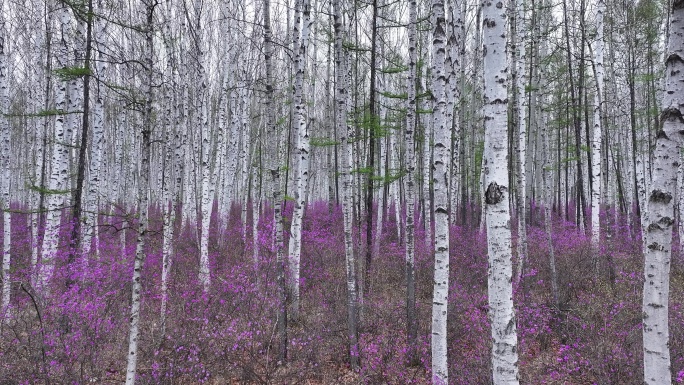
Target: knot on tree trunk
x=494, y=194
x=659, y=196
x=672, y=113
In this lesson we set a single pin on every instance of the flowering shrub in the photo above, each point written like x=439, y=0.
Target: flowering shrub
x=77, y=332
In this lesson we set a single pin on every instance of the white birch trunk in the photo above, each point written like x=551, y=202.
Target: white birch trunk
x=244, y=157
x=394, y=187
x=274, y=169
x=59, y=164
x=680, y=202
x=596, y=140
x=660, y=213
x=143, y=203
x=207, y=196
x=346, y=132
x=521, y=107
x=118, y=190
x=74, y=102
x=233, y=151
x=440, y=167
x=302, y=173
x=498, y=216
x=427, y=167
x=92, y=199
x=454, y=62
x=40, y=159
x=6, y=172
x=410, y=165
x=256, y=211
x=223, y=201
x=169, y=217
x=170, y=171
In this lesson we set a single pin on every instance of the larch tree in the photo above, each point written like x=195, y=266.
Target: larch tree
x=496, y=194
x=660, y=210
x=440, y=171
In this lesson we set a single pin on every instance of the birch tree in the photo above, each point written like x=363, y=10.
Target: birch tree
x=60, y=161
x=660, y=209
x=440, y=169
x=518, y=46
x=207, y=186
x=346, y=132
x=90, y=231
x=495, y=164
x=597, y=134
x=172, y=168
x=75, y=241
x=143, y=192
x=5, y=164
x=274, y=168
x=411, y=321
x=300, y=127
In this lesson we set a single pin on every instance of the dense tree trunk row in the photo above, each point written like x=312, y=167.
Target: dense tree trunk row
x=199, y=109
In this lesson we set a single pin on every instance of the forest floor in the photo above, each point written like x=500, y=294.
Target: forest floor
x=227, y=335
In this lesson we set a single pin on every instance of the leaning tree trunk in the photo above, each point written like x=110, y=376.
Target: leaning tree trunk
x=498, y=216
x=660, y=209
x=143, y=201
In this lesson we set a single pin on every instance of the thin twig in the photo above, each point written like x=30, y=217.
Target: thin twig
x=42, y=330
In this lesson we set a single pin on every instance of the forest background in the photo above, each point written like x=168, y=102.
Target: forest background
x=342, y=192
